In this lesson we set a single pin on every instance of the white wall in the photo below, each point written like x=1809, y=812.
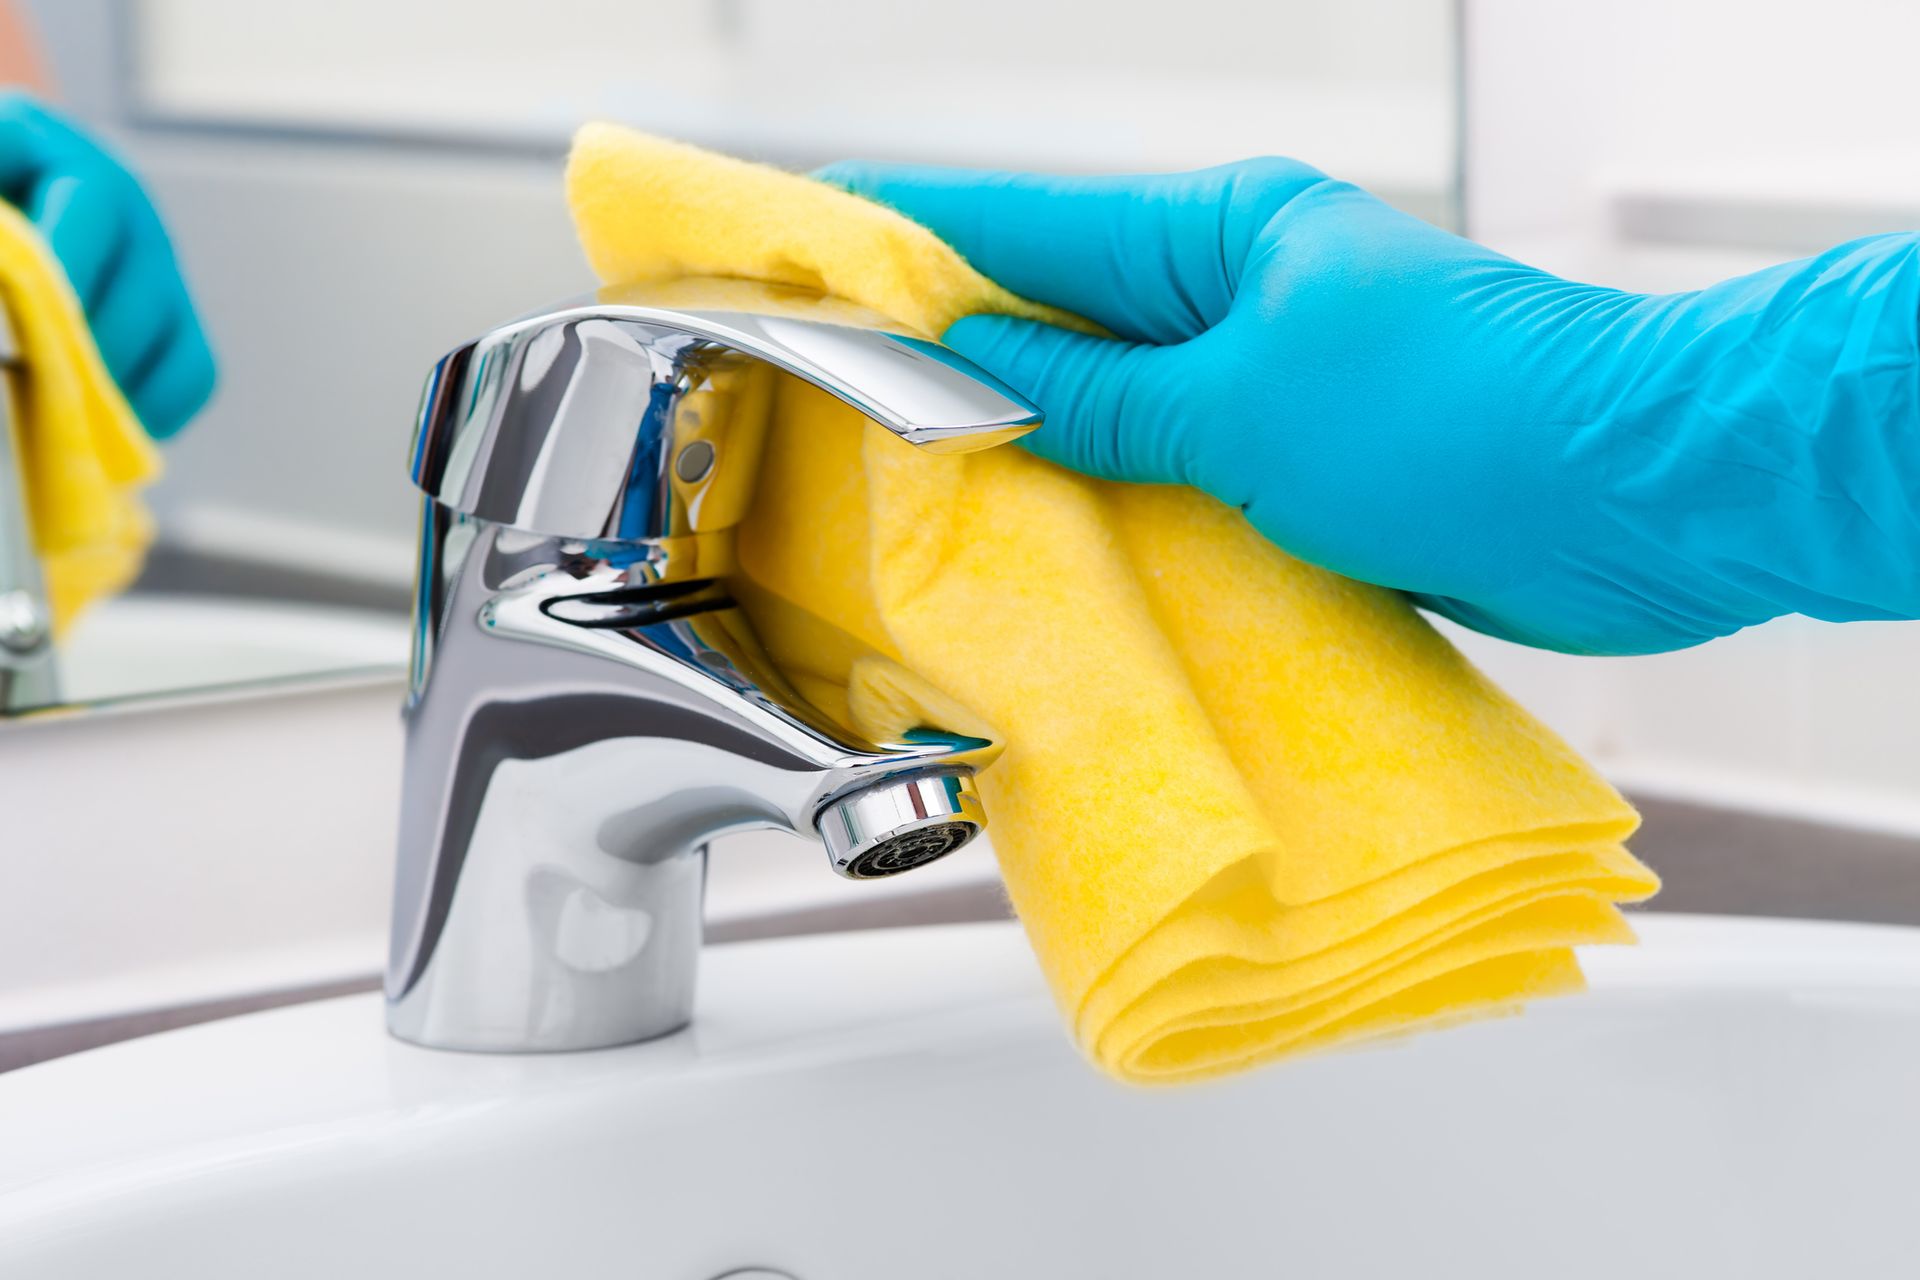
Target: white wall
x=331, y=277
x=1795, y=121
x=1364, y=84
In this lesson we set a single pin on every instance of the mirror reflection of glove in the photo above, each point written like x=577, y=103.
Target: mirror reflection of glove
x=106, y=234
x=1559, y=464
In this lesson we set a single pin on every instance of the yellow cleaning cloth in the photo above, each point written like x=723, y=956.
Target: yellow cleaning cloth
x=1247, y=807
x=83, y=452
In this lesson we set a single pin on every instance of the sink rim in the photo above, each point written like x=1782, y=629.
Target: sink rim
x=136, y=1111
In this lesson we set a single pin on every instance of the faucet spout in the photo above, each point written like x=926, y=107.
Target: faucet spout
x=590, y=706
x=28, y=675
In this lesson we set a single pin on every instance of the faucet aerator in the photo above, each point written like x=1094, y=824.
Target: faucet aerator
x=901, y=823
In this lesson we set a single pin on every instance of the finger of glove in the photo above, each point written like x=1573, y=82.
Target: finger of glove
x=1154, y=258
x=1106, y=402
x=175, y=385
x=23, y=146
x=142, y=304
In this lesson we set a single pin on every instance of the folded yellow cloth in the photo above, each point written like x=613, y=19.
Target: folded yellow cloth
x=82, y=450
x=1247, y=807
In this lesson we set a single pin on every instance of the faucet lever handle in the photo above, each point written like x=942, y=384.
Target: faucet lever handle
x=580, y=421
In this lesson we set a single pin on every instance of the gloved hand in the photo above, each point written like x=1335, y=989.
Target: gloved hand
x=105, y=232
x=1560, y=464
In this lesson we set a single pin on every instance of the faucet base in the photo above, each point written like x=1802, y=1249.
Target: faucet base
x=564, y=931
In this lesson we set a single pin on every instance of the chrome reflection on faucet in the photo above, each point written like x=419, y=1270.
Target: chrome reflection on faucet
x=589, y=705
x=28, y=677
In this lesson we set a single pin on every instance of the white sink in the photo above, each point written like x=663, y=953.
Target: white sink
x=1734, y=1098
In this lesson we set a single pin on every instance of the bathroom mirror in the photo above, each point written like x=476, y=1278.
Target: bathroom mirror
x=354, y=188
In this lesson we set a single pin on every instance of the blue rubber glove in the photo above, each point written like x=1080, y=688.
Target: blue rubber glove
x=1559, y=464
x=107, y=236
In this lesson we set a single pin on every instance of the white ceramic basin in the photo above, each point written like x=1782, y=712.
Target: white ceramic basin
x=1734, y=1098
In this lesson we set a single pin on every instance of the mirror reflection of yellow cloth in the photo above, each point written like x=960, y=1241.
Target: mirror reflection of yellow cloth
x=1247, y=807
x=83, y=453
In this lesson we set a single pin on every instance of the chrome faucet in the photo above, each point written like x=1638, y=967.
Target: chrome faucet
x=589, y=706
x=28, y=677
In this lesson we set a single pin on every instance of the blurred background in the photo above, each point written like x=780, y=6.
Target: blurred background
x=358, y=186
